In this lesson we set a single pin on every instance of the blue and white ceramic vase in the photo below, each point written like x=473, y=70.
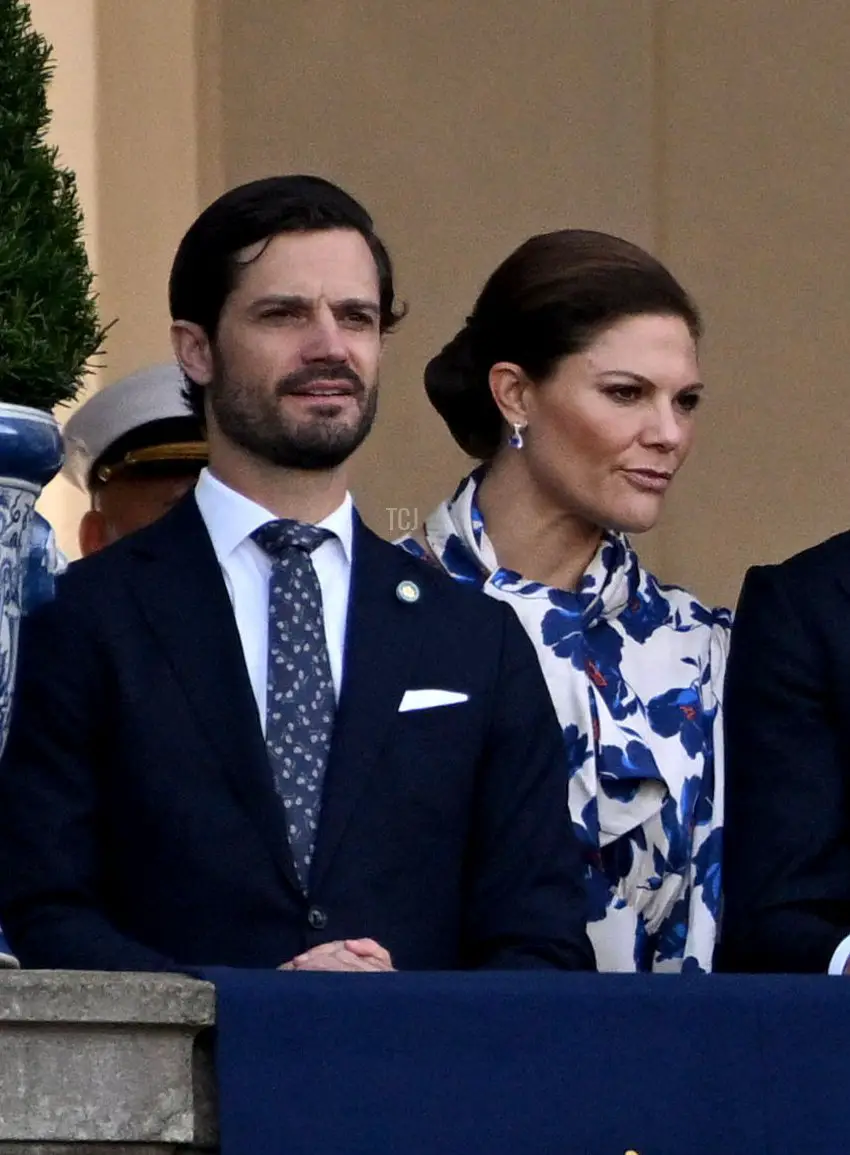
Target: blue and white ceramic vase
x=30, y=455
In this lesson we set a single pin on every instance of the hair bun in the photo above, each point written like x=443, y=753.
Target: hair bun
x=459, y=389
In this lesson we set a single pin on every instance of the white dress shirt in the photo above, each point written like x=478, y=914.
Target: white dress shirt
x=231, y=518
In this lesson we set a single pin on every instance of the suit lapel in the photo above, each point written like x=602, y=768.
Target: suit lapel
x=383, y=637
x=184, y=598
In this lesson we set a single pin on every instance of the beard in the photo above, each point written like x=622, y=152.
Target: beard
x=253, y=420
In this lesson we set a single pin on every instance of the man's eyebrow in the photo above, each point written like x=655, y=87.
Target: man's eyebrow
x=280, y=299
x=358, y=303
x=294, y=301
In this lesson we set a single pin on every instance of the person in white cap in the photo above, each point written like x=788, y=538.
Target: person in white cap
x=136, y=448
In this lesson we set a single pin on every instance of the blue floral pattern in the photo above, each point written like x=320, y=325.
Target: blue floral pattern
x=635, y=670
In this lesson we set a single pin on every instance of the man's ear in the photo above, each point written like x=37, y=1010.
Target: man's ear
x=93, y=533
x=193, y=350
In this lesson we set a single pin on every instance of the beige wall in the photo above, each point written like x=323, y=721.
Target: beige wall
x=148, y=167
x=712, y=133
x=126, y=100
x=755, y=215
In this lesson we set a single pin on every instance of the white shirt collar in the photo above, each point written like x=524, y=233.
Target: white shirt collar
x=231, y=517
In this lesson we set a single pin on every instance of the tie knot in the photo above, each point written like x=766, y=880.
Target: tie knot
x=277, y=536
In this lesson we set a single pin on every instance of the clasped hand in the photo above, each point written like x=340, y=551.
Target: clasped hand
x=351, y=954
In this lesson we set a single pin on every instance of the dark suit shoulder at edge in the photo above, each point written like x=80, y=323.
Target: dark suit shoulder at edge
x=90, y=577
x=824, y=559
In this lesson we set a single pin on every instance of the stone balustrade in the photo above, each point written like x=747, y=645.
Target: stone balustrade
x=105, y=1064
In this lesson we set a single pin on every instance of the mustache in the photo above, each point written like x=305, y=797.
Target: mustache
x=305, y=377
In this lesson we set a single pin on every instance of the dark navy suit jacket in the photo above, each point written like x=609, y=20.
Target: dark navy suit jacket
x=787, y=835
x=139, y=827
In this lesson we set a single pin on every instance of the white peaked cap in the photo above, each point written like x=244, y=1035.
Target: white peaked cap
x=150, y=395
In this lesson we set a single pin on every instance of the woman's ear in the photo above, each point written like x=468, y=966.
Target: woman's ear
x=509, y=385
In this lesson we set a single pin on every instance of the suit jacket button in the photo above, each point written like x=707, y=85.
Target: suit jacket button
x=317, y=918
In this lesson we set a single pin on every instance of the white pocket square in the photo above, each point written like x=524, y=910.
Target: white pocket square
x=427, y=699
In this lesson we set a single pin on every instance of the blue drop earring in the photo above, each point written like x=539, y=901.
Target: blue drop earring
x=515, y=440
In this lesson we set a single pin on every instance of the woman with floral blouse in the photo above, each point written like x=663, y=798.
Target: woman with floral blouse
x=575, y=382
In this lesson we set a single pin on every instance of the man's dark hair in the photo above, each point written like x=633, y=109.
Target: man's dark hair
x=205, y=267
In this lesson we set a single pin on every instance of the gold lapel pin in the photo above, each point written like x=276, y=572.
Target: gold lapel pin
x=408, y=592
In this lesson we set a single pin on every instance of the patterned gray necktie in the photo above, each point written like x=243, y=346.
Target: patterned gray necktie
x=300, y=703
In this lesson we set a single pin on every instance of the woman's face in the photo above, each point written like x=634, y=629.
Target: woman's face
x=608, y=431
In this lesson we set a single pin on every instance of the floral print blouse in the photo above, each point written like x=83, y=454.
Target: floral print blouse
x=635, y=670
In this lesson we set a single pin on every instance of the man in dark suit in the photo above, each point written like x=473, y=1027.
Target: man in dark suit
x=787, y=836
x=254, y=734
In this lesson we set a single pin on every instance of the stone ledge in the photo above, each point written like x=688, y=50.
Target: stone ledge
x=98, y=1149
x=94, y=1063
x=105, y=997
